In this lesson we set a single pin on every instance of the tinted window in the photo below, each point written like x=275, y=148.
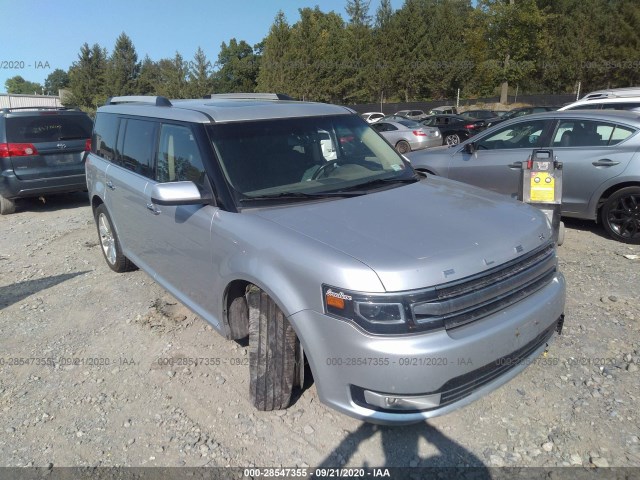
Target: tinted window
x=520, y=135
x=588, y=106
x=585, y=133
x=47, y=127
x=178, y=157
x=409, y=123
x=620, y=106
x=104, y=136
x=271, y=157
x=137, y=147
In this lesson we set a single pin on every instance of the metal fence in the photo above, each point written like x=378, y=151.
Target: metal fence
x=25, y=101
x=535, y=100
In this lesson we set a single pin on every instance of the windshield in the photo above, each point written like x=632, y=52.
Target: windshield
x=305, y=157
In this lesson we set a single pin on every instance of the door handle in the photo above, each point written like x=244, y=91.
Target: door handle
x=153, y=209
x=515, y=165
x=110, y=185
x=605, y=162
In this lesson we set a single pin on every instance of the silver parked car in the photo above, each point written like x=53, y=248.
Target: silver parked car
x=407, y=135
x=412, y=114
x=600, y=152
x=407, y=296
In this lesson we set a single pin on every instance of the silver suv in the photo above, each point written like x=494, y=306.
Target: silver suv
x=407, y=296
x=612, y=99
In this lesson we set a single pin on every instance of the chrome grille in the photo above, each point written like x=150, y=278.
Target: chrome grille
x=471, y=299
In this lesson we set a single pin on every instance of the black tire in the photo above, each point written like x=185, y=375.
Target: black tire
x=620, y=215
x=403, y=147
x=7, y=206
x=109, y=243
x=272, y=353
x=452, y=139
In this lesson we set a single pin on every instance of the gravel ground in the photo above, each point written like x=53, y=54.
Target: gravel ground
x=126, y=405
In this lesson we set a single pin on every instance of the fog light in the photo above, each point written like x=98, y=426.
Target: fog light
x=402, y=402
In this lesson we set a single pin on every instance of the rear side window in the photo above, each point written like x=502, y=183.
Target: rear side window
x=178, y=157
x=621, y=106
x=47, y=127
x=138, y=143
x=586, y=133
x=103, y=142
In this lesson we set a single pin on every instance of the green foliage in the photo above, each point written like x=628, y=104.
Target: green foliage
x=18, y=85
x=238, y=68
x=123, y=68
x=87, y=78
x=200, y=82
x=56, y=81
x=427, y=49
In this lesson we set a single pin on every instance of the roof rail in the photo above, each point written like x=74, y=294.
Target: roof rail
x=158, y=101
x=613, y=93
x=35, y=107
x=250, y=96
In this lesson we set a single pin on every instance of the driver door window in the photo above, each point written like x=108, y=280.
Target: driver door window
x=519, y=135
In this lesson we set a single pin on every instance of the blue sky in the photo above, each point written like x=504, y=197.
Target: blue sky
x=54, y=30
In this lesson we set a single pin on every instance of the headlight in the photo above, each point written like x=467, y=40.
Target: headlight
x=378, y=313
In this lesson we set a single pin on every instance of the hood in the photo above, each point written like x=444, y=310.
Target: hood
x=419, y=235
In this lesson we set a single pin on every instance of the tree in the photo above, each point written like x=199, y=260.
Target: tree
x=514, y=36
x=18, y=85
x=275, y=69
x=122, y=68
x=359, y=54
x=56, y=81
x=383, y=14
x=149, y=77
x=87, y=78
x=173, y=77
x=238, y=68
x=200, y=81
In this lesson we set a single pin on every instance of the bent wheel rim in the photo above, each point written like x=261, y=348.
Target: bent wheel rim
x=107, y=241
x=624, y=217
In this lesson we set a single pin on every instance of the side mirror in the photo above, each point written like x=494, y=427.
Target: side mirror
x=470, y=148
x=177, y=193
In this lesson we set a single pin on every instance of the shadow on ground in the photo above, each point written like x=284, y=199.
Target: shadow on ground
x=400, y=447
x=10, y=294
x=52, y=202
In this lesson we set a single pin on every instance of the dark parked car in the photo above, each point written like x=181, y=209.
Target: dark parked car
x=454, y=128
x=518, y=112
x=480, y=114
x=600, y=153
x=41, y=152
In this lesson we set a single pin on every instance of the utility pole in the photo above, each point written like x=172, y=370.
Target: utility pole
x=504, y=88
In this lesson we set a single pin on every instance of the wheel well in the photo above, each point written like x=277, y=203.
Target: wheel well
x=96, y=201
x=610, y=191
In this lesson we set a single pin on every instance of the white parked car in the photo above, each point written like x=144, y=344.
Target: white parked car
x=611, y=99
x=372, y=117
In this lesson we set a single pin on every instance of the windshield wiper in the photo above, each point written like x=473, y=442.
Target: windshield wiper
x=380, y=182
x=299, y=196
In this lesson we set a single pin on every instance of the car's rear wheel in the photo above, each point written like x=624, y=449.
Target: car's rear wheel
x=272, y=353
x=452, y=139
x=403, y=147
x=109, y=242
x=7, y=206
x=620, y=215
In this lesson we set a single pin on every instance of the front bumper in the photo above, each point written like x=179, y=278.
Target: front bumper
x=448, y=368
